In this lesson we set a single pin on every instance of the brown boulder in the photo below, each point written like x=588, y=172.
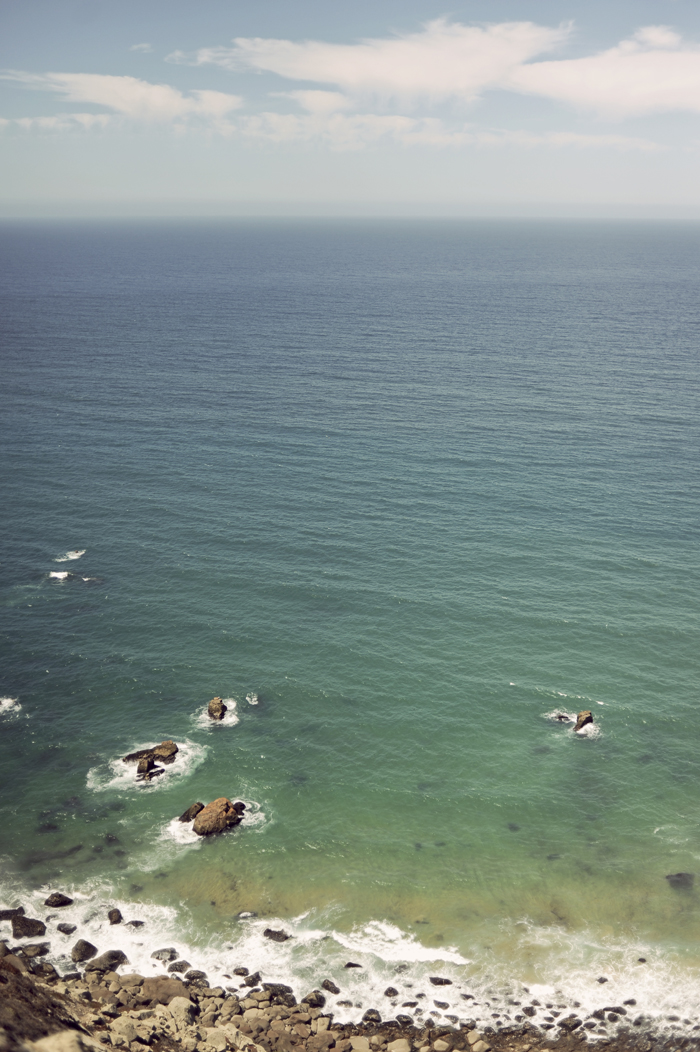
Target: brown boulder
x=216, y=709
x=83, y=951
x=162, y=990
x=583, y=719
x=191, y=813
x=217, y=817
x=166, y=752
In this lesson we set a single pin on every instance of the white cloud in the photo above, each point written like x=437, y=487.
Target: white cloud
x=444, y=60
x=131, y=97
x=652, y=72
x=144, y=48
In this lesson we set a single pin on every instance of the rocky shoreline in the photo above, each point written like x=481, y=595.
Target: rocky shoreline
x=101, y=1005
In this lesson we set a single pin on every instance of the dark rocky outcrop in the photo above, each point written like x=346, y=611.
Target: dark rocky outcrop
x=9, y=914
x=216, y=709
x=66, y=929
x=436, y=980
x=146, y=759
x=191, y=813
x=179, y=966
x=351, y=964
x=115, y=916
x=371, y=1016
x=107, y=962
x=218, y=816
x=83, y=951
x=583, y=719
x=392, y=992
x=330, y=986
x=162, y=990
x=314, y=1000
x=276, y=936
x=25, y=927
x=57, y=900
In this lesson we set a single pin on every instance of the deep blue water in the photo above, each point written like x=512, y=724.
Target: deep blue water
x=410, y=489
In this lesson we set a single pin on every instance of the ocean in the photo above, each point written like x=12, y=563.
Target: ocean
x=400, y=492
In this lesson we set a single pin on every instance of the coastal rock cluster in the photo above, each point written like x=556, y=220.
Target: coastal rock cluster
x=102, y=1009
x=147, y=760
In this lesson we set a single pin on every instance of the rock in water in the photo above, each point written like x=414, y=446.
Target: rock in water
x=583, y=719
x=168, y=954
x=191, y=813
x=25, y=926
x=66, y=929
x=681, y=881
x=217, y=817
x=314, y=1000
x=276, y=936
x=107, y=962
x=9, y=914
x=166, y=752
x=115, y=916
x=216, y=709
x=83, y=951
x=57, y=900
x=329, y=985
x=437, y=980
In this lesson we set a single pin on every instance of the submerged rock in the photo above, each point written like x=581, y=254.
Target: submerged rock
x=216, y=709
x=681, y=881
x=218, y=816
x=57, y=900
x=191, y=813
x=583, y=719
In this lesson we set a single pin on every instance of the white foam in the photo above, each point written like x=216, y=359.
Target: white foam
x=231, y=717
x=75, y=554
x=252, y=698
x=115, y=774
x=10, y=707
x=254, y=814
x=60, y=575
x=181, y=833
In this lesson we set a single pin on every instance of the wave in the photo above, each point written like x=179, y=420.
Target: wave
x=60, y=575
x=577, y=972
x=75, y=554
x=231, y=718
x=252, y=698
x=115, y=774
x=591, y=730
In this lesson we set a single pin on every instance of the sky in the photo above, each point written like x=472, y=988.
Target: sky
x=315, y=108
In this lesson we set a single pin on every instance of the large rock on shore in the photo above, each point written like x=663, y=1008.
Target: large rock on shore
x=216, y=709
x=83, y=951
x=163, y=990
x=25, y=927
x=108, y=961
x=218, y=816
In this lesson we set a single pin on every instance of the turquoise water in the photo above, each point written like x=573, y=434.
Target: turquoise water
x=401, y=491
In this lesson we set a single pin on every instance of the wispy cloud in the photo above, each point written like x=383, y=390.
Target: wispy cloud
x=652, y=72
x=145, y=48
x=444, y=60
x=130, y=97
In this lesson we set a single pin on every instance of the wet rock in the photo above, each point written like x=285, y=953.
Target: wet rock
x=216, y=710
x=82, y=951
x=107, y=962
x=371, y=1016
x=276, y=936
x=280, y=994
x=196, y=978
x=241, y=971
x=529, y=1011
x=36, y=949
x=314, y=1000
x=571, y=1023
x=9, y=914
x=252, y=980
x=391, y=992
x=217, y=817
x=330, y=986
x=180, y=966
x=167, y=954
x=681, y=881
x=583, y=719
x=191, y=813
x=66, y=929
x=115, y=916
x=145, y=766
x=57, y=900
x=405, y=1020
x=135, y=924
x=436, y=980
x=562, y=717
x=351, y=964
x=166, y=752
x=25, y=927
